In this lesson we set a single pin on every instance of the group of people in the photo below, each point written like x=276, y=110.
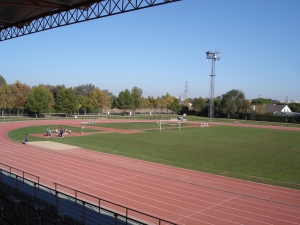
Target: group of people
x=58, y=131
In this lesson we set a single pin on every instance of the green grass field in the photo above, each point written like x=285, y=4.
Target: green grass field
x=261, y=155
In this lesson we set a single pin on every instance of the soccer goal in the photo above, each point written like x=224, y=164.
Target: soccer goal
x=167, y=124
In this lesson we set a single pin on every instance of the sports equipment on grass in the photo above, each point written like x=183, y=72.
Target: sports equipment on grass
x=166, y=124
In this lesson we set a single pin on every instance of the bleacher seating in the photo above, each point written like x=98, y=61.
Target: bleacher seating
x=18, y=208
x=25, y=202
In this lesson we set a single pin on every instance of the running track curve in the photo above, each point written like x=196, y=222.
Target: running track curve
x=178, y=195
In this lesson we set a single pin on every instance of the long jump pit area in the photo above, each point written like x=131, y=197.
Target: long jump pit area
x=52, y=145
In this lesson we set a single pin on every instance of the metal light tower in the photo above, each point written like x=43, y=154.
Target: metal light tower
x=213, y=55
x=186, y=90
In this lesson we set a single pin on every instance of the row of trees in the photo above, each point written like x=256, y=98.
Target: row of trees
x=232, y=103
x=43, y=98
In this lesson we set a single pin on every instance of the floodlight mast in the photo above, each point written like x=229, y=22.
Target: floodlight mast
x=213, y=55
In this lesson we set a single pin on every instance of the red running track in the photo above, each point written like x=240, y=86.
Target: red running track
x=178, y=195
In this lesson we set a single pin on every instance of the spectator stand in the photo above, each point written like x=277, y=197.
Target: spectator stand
x=22, y=199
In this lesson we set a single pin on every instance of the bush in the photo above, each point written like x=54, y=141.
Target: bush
x=274, y=118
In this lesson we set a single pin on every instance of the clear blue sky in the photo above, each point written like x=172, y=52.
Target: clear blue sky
x=158, y=49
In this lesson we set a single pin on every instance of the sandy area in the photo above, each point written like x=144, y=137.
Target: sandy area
x=52, y=145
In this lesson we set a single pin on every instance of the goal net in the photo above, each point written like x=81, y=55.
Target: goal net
x=169, y=124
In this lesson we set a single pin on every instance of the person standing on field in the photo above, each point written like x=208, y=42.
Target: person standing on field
x=25, y=139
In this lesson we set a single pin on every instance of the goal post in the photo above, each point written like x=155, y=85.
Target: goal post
x=167, y=123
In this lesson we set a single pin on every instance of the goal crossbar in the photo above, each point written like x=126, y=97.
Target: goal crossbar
x=168, y=122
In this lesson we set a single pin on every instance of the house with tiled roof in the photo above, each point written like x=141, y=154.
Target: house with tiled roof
x=271, y=109
x=276, y=109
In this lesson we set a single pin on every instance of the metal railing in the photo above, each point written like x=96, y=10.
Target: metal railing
x=66, y=202
x=128, y=213
x=22, y=176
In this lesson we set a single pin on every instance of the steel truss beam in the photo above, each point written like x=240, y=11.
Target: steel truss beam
x=77, y=13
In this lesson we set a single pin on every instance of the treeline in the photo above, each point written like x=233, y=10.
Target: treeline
x=88, y=98
x=44, y=98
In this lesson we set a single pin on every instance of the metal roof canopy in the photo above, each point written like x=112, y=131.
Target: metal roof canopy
x=23, y=17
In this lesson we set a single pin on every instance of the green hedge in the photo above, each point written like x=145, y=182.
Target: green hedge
x=280, y=119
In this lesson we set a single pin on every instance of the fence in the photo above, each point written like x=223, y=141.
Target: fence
x=139, y=116
x=21, y=174
x=84, y=207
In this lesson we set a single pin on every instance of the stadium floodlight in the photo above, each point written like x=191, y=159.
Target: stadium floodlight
x=213, y=55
